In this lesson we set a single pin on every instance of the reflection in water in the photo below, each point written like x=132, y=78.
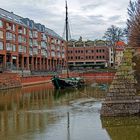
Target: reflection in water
x=40, y=112
x=27, y=110
x=122, y=128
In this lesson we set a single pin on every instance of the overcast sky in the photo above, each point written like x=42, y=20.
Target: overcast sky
x=87, y=18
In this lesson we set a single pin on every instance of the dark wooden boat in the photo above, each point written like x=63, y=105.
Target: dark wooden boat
x=72, y=82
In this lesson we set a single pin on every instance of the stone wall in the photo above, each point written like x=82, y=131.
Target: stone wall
x=121, y=99
x=9, y=80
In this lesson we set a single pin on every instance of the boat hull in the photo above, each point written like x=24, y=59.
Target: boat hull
x=60, y=83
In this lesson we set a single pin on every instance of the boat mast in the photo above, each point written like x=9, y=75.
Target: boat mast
x=67, y=22
x=67, y=39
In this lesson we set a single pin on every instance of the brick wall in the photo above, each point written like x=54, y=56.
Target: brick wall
x=9, y=80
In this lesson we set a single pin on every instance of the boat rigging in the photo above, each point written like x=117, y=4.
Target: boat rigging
x=71, y=82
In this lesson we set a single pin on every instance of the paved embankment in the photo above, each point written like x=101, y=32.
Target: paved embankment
x=9, y=80
x=33, y=80
x=12, y=80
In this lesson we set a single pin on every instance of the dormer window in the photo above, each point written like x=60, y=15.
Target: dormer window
x=1, y=24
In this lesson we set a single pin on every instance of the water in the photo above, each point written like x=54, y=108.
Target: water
x=41, y=113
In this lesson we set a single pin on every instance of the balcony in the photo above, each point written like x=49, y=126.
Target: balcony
x=35, y=44
x=62, y=44
x=63, y=56
x=9, y=28
x=20, y=40
x=20, y=31
x=58, y=49
x=31, y=52
x=9, y=48
x=1, y=46
x=31, y=35
x=63, y=51
x=43, y=36
x=20, y=50
x=53, y=54
x=43, y=53
x=58, y=42
x=9, y=38
x=52, y=47
x=58, y=55
x=35, y=52
x=48, y=54
x=52, y=41
x=35, y=34
x=43, y=45
x=31, y=44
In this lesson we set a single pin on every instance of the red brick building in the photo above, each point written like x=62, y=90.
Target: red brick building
x=26, y=45
x=119, y=49
x=88, y=54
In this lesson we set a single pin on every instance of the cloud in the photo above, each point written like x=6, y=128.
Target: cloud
x=88, y=18
x=115, y=18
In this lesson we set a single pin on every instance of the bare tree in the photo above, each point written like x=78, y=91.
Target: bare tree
x=113, y=35
x=133, y=33
x=133, y=24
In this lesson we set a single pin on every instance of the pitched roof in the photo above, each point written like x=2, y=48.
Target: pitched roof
x=10, y=16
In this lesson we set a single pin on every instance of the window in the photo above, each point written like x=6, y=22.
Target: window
x=14, y=48
x=14, y=27
x=8, y=47
x=35, y=34
x=1, y=34
x=1, y=45
x=9, y=36
x=24, y=31
x=1, y=24
x=24, y=49
x=14, y=37
x=88, y=51
x=20, y=49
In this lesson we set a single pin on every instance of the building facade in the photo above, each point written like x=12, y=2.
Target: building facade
x=111, y=56
x=26, y=45
x=89, y=54
x=119, y=49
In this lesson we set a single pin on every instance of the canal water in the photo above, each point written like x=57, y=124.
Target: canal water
x=42, y=113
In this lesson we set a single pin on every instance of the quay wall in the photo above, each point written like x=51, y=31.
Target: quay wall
x=12, y=80
x=9, y=80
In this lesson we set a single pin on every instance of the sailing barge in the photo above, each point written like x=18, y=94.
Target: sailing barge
x=69, y=82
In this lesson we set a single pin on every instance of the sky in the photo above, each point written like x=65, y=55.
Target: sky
x=87, y=18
